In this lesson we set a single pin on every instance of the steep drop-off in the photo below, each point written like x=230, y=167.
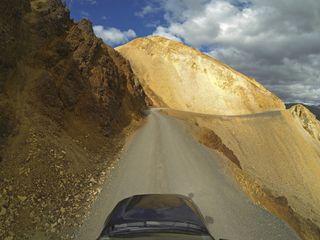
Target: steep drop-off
x=67, y=101
x=180, y=77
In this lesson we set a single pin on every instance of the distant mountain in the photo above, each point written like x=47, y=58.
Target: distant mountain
x=312, y=108
x=307, y=119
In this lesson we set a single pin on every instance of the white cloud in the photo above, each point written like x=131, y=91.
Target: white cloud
x=148, y=9
x=164, y=32
x=92, y=1
x=84, y=14
x=113, y=36
x=275, y=41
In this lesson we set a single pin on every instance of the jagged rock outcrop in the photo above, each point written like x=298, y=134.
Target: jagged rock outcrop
x=307, y=119
x=66, y=57
x=179, y=77
x=67, y=101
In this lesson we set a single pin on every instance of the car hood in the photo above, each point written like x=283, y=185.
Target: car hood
x=171, y=208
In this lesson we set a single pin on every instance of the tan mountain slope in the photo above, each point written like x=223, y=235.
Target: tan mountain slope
x=180, y=77
x=66, y=103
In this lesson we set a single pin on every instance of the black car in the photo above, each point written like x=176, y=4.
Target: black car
x=156, y=216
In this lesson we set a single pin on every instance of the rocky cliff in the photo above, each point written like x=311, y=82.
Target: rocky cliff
x=179, y=77
x=67, y=101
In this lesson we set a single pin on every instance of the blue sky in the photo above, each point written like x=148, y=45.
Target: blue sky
x=120, y=14
x=275, y=41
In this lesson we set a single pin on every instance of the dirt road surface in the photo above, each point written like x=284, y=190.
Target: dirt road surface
x=162, y=157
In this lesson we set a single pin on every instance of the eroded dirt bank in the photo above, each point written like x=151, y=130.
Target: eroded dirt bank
x=272, y=157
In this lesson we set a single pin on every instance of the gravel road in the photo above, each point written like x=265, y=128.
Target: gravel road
x=162, y=157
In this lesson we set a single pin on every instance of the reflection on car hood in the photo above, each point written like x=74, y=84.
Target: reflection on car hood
x=160, y=236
